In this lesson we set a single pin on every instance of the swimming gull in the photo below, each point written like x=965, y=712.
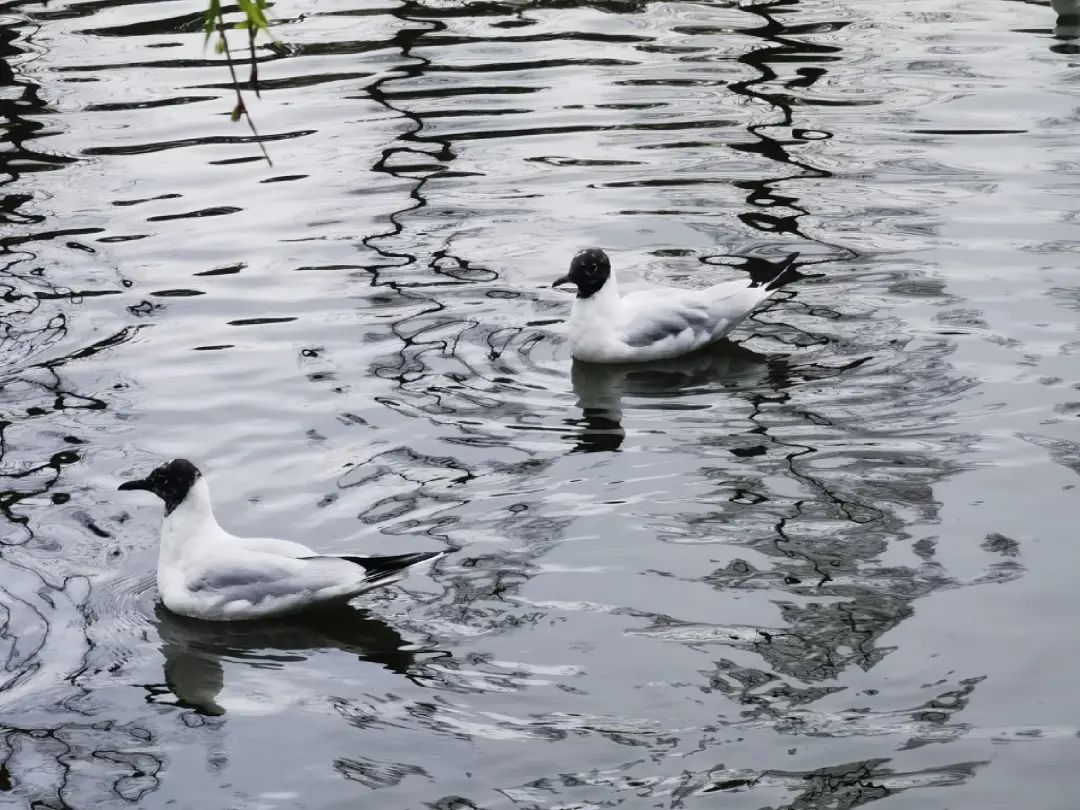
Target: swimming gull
x=206, y=573
x=661, y=322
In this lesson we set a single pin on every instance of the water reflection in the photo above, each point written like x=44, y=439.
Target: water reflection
x=194, y=650
x=775, y=209
x=837, y=787
x=600, y=388
x=797, y=517
x=1067, y=25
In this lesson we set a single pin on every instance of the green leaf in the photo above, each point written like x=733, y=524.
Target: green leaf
x=210, y=19
x=255, y=17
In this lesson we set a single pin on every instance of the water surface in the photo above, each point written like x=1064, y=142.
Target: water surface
x=830, y=563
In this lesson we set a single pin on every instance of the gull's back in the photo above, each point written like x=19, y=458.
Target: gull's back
x=270, y=545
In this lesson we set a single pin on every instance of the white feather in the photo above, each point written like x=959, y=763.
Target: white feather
x=206, y=573
x=658, y=323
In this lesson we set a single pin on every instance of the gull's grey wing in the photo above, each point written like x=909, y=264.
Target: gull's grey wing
x=692, y=316
x=256, y=577
x=649, y=326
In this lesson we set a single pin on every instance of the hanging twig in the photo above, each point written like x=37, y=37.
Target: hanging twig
x=255, y=20
x=254, y=62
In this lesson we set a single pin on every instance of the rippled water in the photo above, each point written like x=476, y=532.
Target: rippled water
x=829, y=564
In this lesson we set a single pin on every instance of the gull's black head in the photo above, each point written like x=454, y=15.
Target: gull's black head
x=171, y=482
x=589, y=270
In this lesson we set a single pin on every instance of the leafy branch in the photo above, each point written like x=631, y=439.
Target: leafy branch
x=254, y=21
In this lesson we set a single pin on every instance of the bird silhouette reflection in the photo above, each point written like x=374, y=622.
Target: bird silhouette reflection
x=601, y=388
x=194, y=649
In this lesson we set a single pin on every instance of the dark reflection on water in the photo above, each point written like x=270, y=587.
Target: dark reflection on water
x=816, y=567
x=601, y=389
x=193, y=650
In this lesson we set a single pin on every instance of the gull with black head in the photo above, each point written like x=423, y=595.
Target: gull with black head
x=661, y=322
x=206, y=573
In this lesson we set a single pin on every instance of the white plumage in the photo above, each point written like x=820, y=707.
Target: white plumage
x=207, y=573
x=658, y=323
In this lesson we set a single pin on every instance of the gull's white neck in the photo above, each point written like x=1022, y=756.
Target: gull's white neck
x=190, y=524
x=597, y=313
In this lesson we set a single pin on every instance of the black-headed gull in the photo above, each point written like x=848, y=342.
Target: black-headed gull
x=661, y=322
x=206, y=573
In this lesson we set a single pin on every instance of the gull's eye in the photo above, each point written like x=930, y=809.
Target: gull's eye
x=591, y=269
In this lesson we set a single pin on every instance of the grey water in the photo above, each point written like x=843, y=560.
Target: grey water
x=831, y=563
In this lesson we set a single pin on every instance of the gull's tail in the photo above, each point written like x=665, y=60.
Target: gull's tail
x=774, y=276
x=378, y=569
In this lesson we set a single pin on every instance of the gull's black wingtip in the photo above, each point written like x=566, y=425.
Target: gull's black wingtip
x=380, y=567
x=773, y=275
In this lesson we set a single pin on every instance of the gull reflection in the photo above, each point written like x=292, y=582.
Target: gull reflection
x=194, y=649
x=1068, y=19
x=600, y=389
